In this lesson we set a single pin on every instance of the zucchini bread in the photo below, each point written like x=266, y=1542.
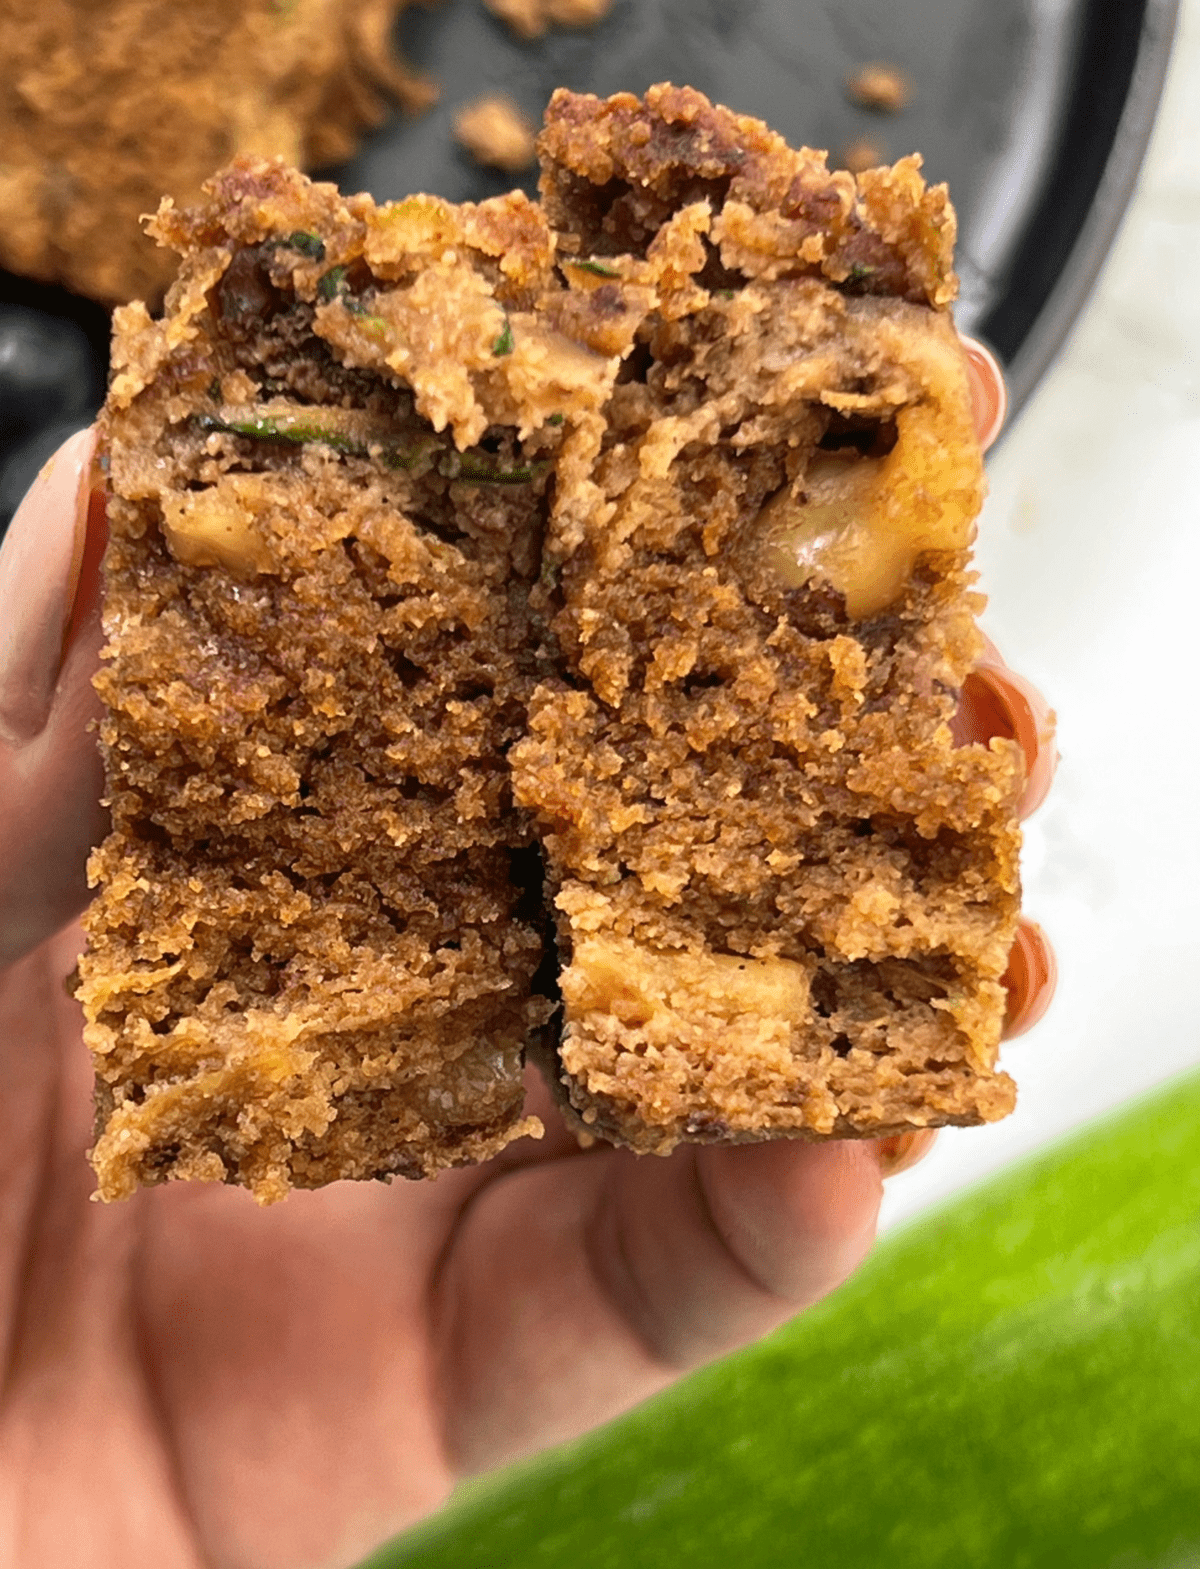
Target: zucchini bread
x=538, y=626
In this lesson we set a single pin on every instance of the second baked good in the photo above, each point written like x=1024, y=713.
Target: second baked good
x=106, y=107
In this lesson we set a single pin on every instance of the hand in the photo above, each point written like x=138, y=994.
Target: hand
x=192, y=1381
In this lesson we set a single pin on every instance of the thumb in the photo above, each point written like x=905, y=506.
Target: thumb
x=51, y=778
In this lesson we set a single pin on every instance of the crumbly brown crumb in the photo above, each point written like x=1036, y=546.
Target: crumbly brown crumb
x=882, y=87
x=103, y=108
x=634, y=523
x=531, y=18
x=494, y=131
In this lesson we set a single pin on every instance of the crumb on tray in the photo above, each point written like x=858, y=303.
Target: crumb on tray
x=862, y=154
x=880, y=86
x=495, y=132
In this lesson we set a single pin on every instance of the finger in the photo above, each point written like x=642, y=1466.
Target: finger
x=996, y=701
x=1030, y=980
x=39, y=567
x=989, y=391
x=51, y=778
x=574, y=1290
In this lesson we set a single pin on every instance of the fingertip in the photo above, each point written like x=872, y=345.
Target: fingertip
x=85, y=591
x=58, y=497
x=996, y=701
x=51, y=775
x=41, y=559
x=989, y=391
x=1031, y=979
x=803, y=1214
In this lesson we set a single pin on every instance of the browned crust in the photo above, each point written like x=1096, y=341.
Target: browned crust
x=884, y=232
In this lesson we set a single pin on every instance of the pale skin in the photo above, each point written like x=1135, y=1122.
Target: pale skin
x=194, y=1381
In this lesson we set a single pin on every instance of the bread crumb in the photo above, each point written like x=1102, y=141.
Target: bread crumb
x=494, y=131
x=530, y=18
x=861, y=154
x=885, y=88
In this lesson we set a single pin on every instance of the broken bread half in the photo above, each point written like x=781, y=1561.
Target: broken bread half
x=625, y=532
x=785, y=899
x=319, y=913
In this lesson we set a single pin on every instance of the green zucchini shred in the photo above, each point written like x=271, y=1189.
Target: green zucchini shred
x=331, y=284
x=310, y=245
x=598, y=269
x=300, y=431
x=302, y=428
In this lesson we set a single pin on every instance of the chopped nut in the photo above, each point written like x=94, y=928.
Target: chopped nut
x=494, y=131
x=638, y=984
x=879, y=86
x=860, y=523
x=215, y=528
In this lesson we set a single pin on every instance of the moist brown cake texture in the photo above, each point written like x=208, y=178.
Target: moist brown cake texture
x=633, y=525
x=105, y=106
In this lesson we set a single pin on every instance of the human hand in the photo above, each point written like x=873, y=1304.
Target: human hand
x=194, y=1381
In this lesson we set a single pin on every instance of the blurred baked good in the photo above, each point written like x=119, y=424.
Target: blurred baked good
x=104, y=107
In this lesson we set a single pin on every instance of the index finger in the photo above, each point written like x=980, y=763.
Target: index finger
x=51, y=779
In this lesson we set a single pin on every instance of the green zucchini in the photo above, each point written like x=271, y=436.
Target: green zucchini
x=356, y=435
x=1011, y=1381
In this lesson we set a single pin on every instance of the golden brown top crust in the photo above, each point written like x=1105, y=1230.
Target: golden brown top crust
x=782, y=211
x=463, y=272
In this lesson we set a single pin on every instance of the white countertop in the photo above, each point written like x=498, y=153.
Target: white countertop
x=1089, y=550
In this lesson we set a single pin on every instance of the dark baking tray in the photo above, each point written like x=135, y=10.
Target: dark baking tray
x=1036, y=112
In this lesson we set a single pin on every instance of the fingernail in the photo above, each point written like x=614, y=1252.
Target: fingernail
x=1030, y=980
x=989, y=391
x=41, y=563
x=86, y=587
x=902, y=1150
x=996, y=701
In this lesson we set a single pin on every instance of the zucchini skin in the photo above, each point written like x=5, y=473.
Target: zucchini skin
x=1012, y=1380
